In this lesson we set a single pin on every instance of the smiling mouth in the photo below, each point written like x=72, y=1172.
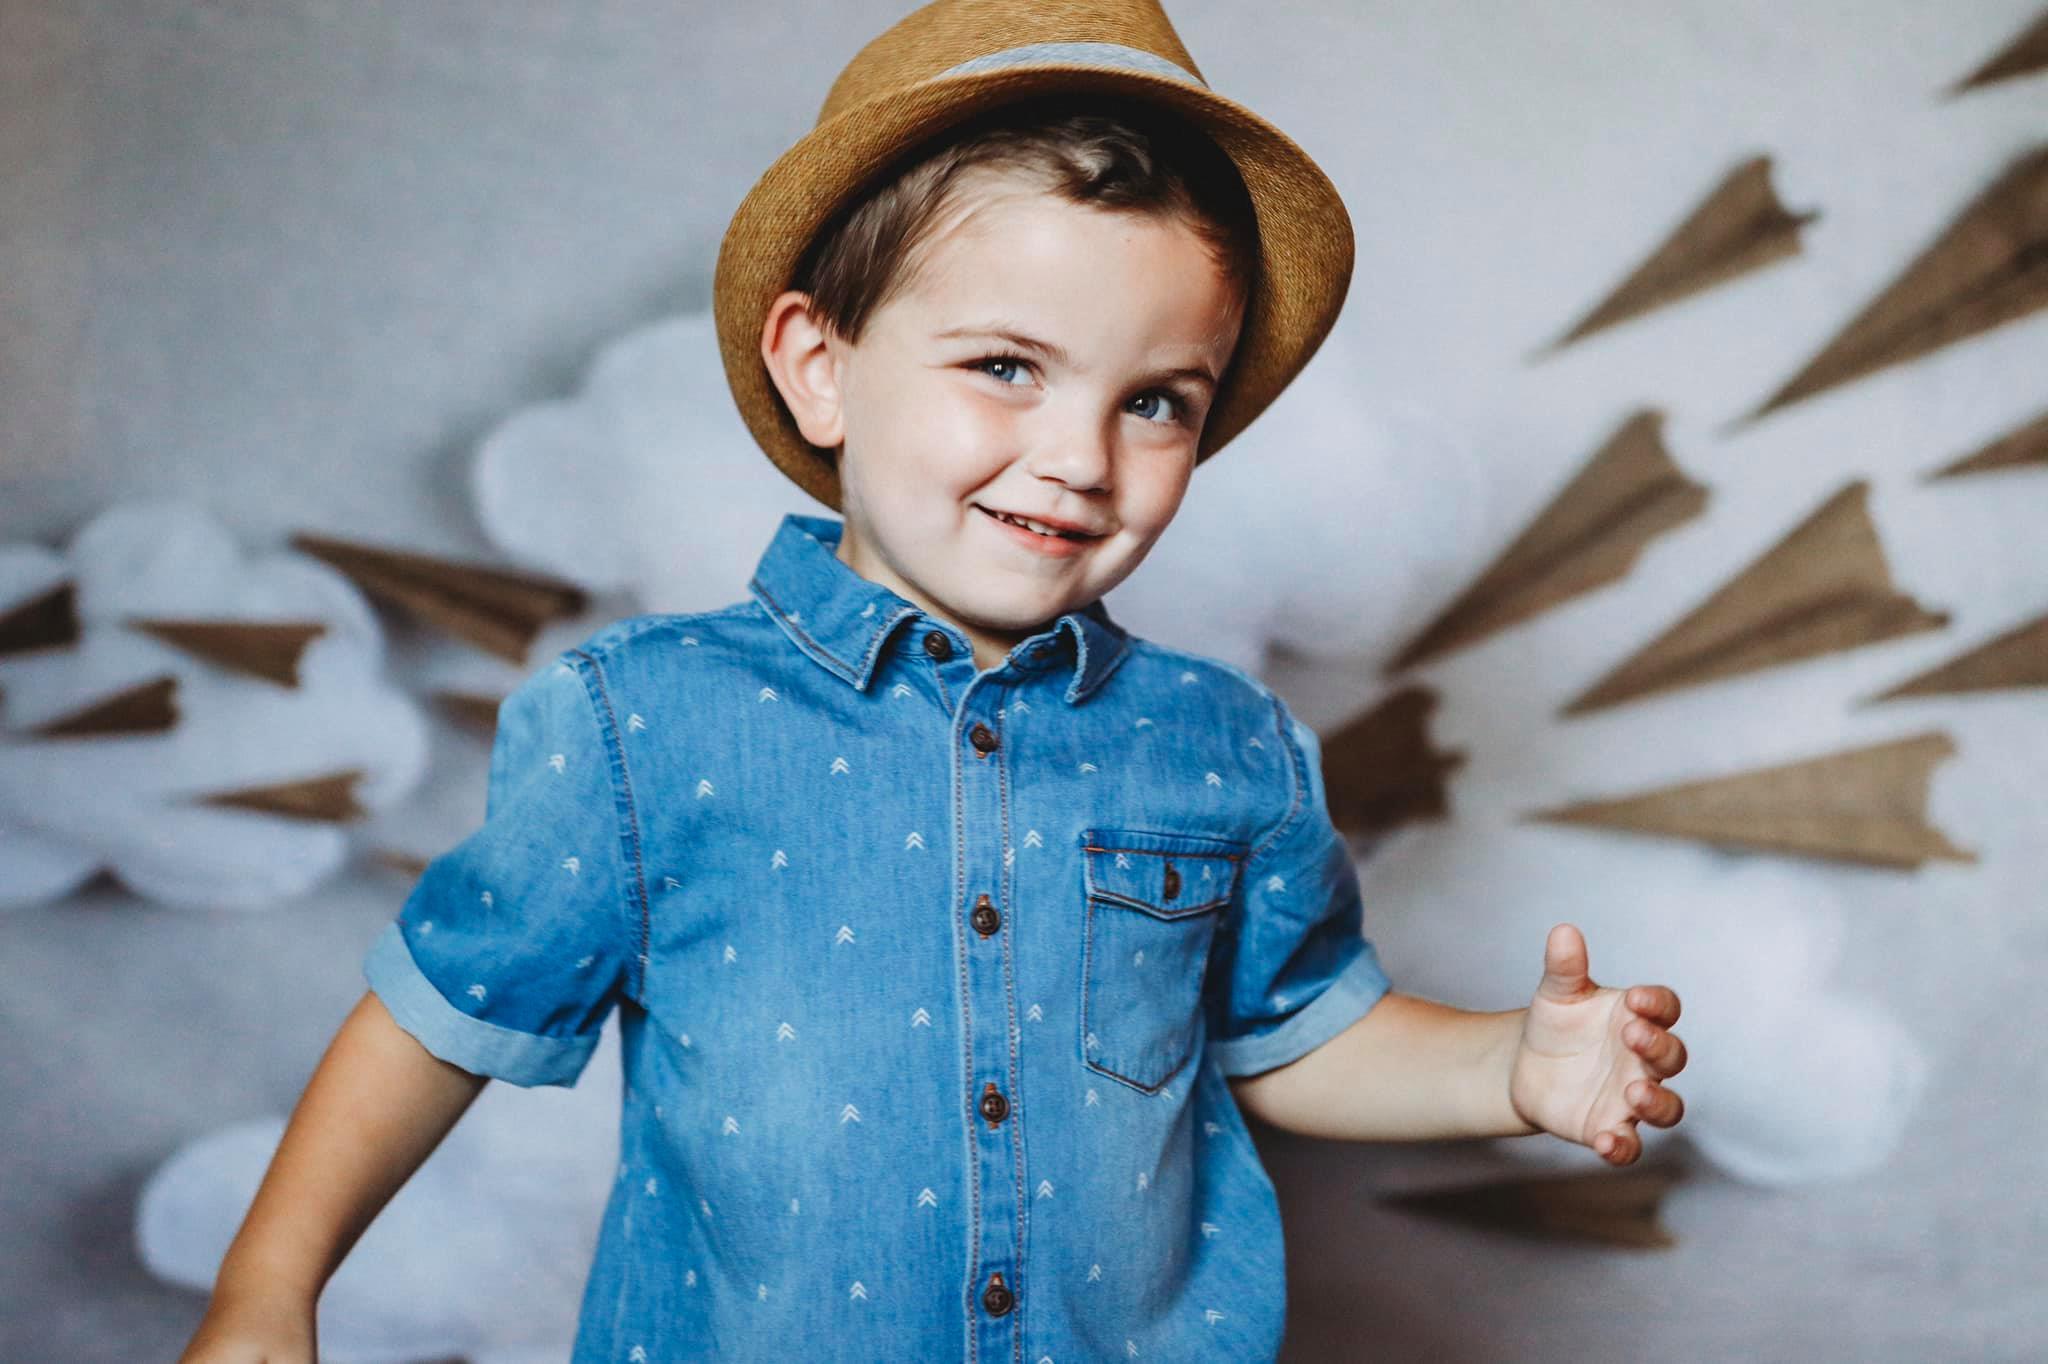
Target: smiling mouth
x=1021, y=524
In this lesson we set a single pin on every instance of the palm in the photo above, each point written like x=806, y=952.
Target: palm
x=1591, y=1057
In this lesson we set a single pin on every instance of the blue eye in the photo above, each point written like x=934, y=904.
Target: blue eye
x=1178, y=413
x=984, y=364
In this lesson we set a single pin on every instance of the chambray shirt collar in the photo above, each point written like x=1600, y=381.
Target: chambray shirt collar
x=843, y=621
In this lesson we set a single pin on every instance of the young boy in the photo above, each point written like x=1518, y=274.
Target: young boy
x=952, y=928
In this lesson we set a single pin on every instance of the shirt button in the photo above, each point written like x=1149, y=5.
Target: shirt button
x=937, y=645
x=994, y=1106
x=997, y=1297
x=984, y=740
x=1172, y=881
x=987, y=918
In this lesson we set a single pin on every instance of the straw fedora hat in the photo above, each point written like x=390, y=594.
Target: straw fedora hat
x=953, y=59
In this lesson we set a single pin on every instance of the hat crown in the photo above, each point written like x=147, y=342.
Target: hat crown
x=940, y=36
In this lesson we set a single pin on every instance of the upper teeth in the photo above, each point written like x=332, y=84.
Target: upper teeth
x=1038, y=526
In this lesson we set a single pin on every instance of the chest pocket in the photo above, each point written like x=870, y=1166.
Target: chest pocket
x=1153, y=901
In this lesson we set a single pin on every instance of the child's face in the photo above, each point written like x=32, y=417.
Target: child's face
x=1095, y=427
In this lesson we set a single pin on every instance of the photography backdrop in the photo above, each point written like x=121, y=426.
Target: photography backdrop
x=294, y=261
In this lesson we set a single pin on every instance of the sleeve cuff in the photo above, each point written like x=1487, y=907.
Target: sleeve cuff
x=1343, y=1002
x=482, y=1048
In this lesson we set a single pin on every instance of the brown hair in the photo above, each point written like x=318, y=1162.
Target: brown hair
x=1115, y=154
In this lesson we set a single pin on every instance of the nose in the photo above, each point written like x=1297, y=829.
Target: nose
x=1079, y=452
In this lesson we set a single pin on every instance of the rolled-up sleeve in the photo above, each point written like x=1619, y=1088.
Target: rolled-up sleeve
x=1294, y=968
x=514, y=946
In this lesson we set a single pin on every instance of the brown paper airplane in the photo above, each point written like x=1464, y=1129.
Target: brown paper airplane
x=1865, y=805
x=2023, y=56
x=266, y=649
x=329, y=798
x=1617, y=1209
x=497, y=610
x=476, y=710
x=1821, y=589
x=1988, y=268
x=1739, y=227
x=48, y=620
x=2013, y=661
x=2024, y=448
x=145, y=708
x=1591, y=534
x=1380, y=769
x=405, y=863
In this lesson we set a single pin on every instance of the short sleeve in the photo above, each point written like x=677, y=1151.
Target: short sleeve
x=1295, y=969
x=514, y=946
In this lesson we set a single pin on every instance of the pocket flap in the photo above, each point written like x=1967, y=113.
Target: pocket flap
x=1168, y=875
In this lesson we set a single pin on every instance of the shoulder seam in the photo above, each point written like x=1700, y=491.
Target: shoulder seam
x=626, y=816
x=1297, y=788
x=631, y=628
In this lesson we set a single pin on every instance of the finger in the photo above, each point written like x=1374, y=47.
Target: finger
x=1654, y=1104
x=1617, y=1145
x=1658, y=1003
x=1564, y=964
x=1662, y=1050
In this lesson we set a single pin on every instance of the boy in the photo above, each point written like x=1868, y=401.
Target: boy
x=952, y=928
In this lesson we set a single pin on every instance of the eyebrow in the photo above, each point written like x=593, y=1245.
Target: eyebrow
x=1058, y=355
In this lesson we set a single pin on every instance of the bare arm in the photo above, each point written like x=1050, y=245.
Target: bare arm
x=375, y=1108
x=1410, y=1070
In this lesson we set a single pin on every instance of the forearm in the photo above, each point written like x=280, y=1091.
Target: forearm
x=376, y=1107
x=1410, y=1070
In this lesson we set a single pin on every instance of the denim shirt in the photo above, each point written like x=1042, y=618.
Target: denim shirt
x=928, y=977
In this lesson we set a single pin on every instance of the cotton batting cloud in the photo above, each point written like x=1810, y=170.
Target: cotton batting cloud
x=70, y=807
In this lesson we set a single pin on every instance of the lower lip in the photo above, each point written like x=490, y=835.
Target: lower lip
x=1055, y=546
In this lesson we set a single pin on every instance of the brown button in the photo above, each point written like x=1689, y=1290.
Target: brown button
x=937, y=645
x=997, y=1297
x=1172, y=881
x=984, y=739
x=994, y=1106
x=986, y=918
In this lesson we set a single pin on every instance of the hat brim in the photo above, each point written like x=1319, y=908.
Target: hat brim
x=1305, y=245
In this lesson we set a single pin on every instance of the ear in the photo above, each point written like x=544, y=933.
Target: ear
x=804, y=368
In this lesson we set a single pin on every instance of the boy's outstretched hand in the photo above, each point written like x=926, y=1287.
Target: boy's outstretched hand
x=1590, y=1057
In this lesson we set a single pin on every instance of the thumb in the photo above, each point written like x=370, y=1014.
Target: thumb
x=1564, y=964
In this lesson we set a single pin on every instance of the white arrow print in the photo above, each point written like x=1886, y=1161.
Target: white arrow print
x=689, y=639
x=1092, y=1100
x=1257, y=744
x=1209, y=1228
x=558, y=762
x=731, y=1126
x=1090, y=767
x=1143, y=721
x=670, y=883
x=1186, y=678
x=767, y=694
x=900, y=689
x=1045, y=1188
x=564, y=668
x=639, y=1355
x=857, y=1291
x=583, y=962
x=1208, y=872
x=634, y=722
x=845, y=934
x=1093, y=1041
x=795, y=617
x=1094, y=1273
x=1276, y=882
x=690, y=1278
x=920, y=1019
x=1034, y=1013
x=1130, y=1347
x=652, y=1184
x=476, y=990
x=867, y=610
x=1144, y=1180
x=427, y=927
x=1212, y=779
x=1123, y=860
x=779, y=860
x=785, y=1033
x=1009, y=856
x=1032, y=840
x=706, y=1207
x=926, y=1198
x=849, y=1114
x=1138, y=957
x=487, y=899
x=573, y=865
x=703, y=787
x=1213, y=1316
x=839, y=765
x=730, y=955
x=683, y=1038
x=762, y=1294
x=1021, y=706
x=1211, y=1128
x=916, y=840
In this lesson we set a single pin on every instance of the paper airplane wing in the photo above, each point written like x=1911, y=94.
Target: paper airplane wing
x=2023, y=56
x=1381, y=770
x=1862, y=805
x=266, y=649
x=2026, y=447
x=1626, y=495
x=1823, y=588
x=2014, y=660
